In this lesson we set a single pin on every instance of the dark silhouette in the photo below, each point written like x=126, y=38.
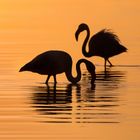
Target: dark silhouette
x=104, y=43
x=55, y=62
x=55, y=101
x=53, y=94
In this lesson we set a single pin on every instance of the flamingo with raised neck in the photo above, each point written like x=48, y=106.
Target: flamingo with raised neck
x=104, y=43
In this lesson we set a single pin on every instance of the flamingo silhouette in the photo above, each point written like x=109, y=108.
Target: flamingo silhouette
x=104, y=43
x=55, y=62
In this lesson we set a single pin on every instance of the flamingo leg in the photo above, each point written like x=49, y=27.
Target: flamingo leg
x=105, y=64
x=55, y=79
x=48, y=79
x=109, y=63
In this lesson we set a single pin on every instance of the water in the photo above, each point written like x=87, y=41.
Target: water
x=31, y=110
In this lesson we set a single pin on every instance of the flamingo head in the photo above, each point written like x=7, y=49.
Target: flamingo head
x=81, y=28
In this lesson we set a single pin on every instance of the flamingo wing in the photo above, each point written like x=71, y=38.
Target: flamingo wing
x=106, y=44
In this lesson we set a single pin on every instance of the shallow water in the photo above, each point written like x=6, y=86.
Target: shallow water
x=31, y=110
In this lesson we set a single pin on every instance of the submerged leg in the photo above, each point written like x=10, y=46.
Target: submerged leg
x=109, y=63
x=48, y=79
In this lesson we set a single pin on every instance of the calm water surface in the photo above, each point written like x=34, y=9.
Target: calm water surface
x=31, y=110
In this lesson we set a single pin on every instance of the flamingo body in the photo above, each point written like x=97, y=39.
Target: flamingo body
x=104, y=43
x=49, y=63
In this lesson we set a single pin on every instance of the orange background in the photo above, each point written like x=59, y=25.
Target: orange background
x=37, y=26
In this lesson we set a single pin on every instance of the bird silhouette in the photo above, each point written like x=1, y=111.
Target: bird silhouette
x=54, y=62
x=104, y=43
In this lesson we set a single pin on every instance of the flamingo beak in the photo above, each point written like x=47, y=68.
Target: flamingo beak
x=78, y=31
x=76, y=35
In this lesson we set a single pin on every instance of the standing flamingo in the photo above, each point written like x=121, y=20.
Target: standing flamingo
x=55, y=62
x=104, y=43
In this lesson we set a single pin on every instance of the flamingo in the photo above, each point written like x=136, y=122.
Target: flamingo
x=104, y=44
x=54, y=62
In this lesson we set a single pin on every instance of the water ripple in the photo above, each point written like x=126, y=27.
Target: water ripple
x=80, y=103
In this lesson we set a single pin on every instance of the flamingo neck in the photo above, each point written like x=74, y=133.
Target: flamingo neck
x=84, y=51
x=70, y=76
x=90, y=67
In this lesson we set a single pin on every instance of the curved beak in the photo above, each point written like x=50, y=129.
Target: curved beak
x=78, y=31
x=76, y=35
